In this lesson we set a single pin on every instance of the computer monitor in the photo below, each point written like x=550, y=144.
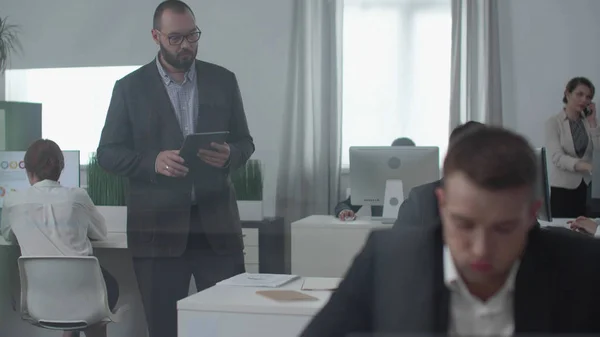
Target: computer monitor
x=542, y=188
x=596, y=175
x=372, y=167
x=14, y=177
x=594, y=195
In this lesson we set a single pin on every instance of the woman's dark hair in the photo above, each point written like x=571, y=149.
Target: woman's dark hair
x=575, y=82
x=44, y=159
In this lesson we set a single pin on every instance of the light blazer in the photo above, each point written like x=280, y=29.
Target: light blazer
x=140, y=123
x=561, y=151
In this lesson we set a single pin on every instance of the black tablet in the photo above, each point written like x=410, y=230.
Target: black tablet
x=196, y=141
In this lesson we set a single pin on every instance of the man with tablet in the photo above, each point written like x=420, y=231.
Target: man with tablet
x=176, y=128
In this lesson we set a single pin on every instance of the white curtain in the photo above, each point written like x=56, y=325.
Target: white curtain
x=476, y=85
x=309, y=170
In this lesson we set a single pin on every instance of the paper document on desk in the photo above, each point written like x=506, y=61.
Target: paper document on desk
x=258, y=280
x=321, y=283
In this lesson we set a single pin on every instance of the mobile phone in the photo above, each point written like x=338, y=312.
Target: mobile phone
x=587, y=111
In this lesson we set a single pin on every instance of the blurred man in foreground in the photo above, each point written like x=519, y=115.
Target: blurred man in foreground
x=485, y=269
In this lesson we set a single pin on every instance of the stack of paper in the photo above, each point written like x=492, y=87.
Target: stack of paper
x=258, y=280
x=321, y=283
x=286, y=295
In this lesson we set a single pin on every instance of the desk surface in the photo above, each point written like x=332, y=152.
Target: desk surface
x=234, y=299
x=555, y=223
x=330, y=221
x=116, y=222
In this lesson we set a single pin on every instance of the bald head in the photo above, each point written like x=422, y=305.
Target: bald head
x=174, y=6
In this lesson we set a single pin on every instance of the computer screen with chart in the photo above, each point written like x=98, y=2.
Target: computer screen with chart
x=14, y=177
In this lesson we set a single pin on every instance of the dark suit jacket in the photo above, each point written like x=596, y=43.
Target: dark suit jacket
x=421, y=206
x=396, y=286
x=140, y=123
x=346, y=204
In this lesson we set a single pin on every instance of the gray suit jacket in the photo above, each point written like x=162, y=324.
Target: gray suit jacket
x=421, y=206
x=140, y=123
x=395, y=287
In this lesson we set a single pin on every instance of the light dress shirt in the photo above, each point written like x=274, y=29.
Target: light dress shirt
x=48, y=219
x=184, y=99
x=469, y=316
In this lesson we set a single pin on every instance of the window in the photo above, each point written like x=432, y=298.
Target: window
x=396, y=73
x=74, y=102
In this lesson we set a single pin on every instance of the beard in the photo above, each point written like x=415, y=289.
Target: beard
x=182, y=60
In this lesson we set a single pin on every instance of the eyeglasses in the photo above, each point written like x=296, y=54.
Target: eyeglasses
x=177, y=39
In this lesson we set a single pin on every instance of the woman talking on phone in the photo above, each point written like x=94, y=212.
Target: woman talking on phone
x=571, y=137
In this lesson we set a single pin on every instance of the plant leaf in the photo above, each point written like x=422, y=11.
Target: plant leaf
x=9, y=42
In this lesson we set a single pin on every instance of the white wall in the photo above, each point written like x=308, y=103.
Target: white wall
x=544, y=43
x=251, y=38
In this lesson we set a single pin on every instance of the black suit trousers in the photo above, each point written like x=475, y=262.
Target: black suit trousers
x=163, y=281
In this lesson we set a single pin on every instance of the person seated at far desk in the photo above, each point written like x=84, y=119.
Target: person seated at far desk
x=48, y=219
x=586, y=226
x=346, y=211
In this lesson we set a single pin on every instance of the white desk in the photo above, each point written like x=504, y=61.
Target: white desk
x=324, y=246
x=555, y=223
x=116, y=223
x=227, y=311
x=116, y=258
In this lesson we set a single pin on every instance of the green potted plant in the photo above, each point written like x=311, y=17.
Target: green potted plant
x=248, y=184
x=9, y=42
x=108, y=191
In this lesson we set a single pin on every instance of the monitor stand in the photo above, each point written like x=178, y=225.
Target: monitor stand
x=393, y=198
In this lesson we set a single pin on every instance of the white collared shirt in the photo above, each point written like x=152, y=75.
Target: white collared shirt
x=184, y=99
x=469, y=316
x=48, y=219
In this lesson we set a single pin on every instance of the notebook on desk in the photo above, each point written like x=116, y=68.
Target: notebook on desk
x=385, y=221
x=258, y=280
x=321, y=283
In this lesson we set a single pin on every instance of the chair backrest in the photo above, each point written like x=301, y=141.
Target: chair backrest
x=60, y=291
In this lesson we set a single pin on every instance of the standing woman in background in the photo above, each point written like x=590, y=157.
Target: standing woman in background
x=571, y=137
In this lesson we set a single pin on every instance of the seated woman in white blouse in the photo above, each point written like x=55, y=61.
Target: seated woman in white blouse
x=48, y=219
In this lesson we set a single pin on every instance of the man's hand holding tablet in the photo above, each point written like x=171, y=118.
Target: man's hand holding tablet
x=210, y=147
x=170, y=164
x=217, y=157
